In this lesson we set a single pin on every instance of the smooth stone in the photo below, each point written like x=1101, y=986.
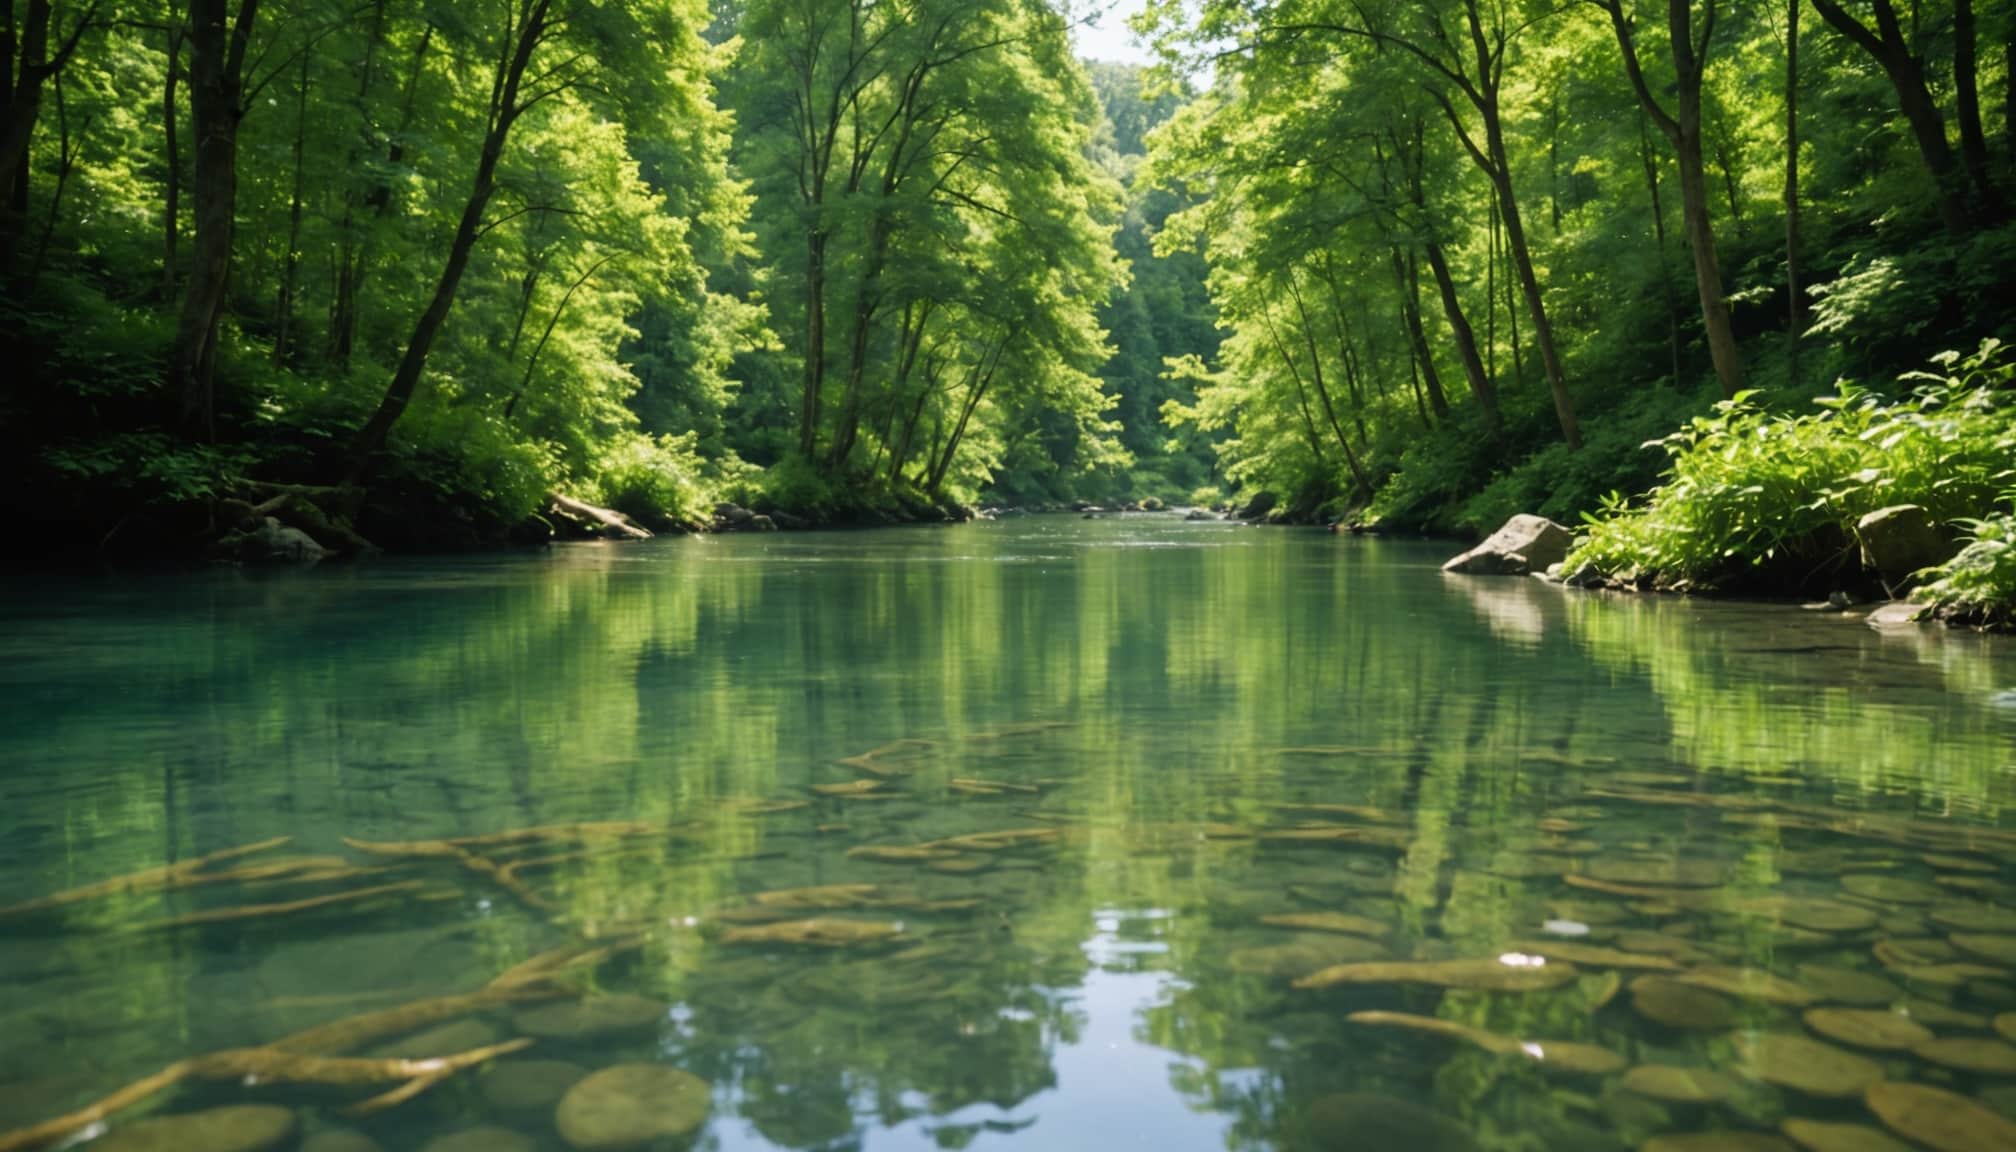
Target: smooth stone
x=1726, y=1141
x=1368, y=1121
x=1815, y=1136
x=632, y=1105
x=1872, y=1028
x=1677, y=1085
x=1790, y=1060
x=1979, y=1054
x=340, y=1140
x=1849, y=986
x=1940, y=1120
x=240, y=1128
x=529, y=1085
x=488, y=1138
x=584, y=1019
x=1664, y=1000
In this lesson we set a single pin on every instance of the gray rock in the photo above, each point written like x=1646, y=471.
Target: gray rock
x=1199, y=515
x=340, y=1140
x=240, y=1128
x=529, y=1085
x=733, y=515
x=760, y=524
x=279, y=542
x=1899, y=542
x=1897, y=614
x=1260, y=507
x=1526, y=544
x=1370, y=1122
x=489, y=1138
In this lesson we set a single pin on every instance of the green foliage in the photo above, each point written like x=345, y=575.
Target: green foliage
x=1979, y=586
x=1761, y=497
x=661, y=480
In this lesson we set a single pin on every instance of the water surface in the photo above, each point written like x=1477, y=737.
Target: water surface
x=1167, y=737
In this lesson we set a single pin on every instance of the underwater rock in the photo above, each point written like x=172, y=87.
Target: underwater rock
x=1940, y=1120
x=340, y=1140
x=2000, y=949
x=1369, y=1122
x=1725, y=1141
x=1874, y=1029
x=529, y=1085
x=1891, y=889
x=1748, y=984
x=1337, y=922
x=583, y=1019
x=1848, y=986
x=1304, y=955
x=1664, y=1000
x=1789, y=1060
x=1513, y=972
x=1979, y=1054
x=632, y=1105
x=241, y=1128
x=1677, y=1085
x=488, y=1138
x=1814, y=1136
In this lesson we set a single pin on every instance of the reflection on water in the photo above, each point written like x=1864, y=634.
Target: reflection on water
x=1032, y=835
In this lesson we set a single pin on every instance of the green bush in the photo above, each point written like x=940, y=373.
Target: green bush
x=1979, y=586
x=1764, y=501
x=654, y=481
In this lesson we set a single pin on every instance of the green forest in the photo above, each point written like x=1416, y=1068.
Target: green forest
x=421, y=275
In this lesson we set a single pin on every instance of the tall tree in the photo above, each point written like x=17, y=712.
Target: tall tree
x=1682, y=129
x=219, y=46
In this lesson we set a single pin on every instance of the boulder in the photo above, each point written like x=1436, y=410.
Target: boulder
x=1259, y=507
x=340, y=1140
x=488, y=1138
x=1901, y=541
x=1153, y=505
x=632, y=1106
x=786, y=522
x=1525, y=545
x=1896, y=615
x=273, y=540
x=732, y=518
x=241, y=1128
x=1199, y=516
x=761, y=524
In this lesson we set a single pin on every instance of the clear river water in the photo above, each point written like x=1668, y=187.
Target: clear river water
x=1041, y=834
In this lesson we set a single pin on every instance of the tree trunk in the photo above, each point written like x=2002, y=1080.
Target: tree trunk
x=1529, y=284
x=504, y=114
x=1967, y=100
x=1651, y=162
x=1358, y=475
x=1795, y=308
x=1906, y=70
x=1683, y=130
x=171, y=129
x=1481, y=384
x=815, y=340
x=216, y=81
x=27, y=62
x=290, y=260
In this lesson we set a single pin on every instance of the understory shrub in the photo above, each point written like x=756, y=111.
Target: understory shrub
x=1978, y=587
x=1766, y=501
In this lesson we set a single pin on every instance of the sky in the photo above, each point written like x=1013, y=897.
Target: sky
x=1110, y=38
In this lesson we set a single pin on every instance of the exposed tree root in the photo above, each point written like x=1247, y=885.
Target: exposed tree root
x=256, y=1066
x=187, y=873
x=263, y=911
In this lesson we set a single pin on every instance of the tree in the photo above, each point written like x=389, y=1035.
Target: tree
x=1682, y=129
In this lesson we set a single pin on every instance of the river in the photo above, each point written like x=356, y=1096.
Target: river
x=1041, y=834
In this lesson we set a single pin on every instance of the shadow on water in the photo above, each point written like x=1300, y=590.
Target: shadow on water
x=1049, y=834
